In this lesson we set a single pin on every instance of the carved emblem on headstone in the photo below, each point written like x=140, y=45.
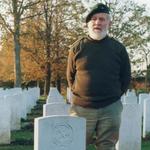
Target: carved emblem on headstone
x=62, y=134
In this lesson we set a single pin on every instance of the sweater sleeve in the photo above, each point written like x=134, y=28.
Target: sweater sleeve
x=71, y=69
x=125, y=71
x=71, y=66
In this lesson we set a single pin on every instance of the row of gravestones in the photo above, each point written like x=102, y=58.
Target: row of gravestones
x=143, y=101
x=59, y=131
x=15, y=103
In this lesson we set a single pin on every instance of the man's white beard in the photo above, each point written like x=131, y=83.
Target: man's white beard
x=97, y=35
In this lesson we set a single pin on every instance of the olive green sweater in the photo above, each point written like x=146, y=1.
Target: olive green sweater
x=98, y=72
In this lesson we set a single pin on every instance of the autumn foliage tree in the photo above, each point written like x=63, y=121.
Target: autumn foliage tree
x=16, y=10
x=53, y=32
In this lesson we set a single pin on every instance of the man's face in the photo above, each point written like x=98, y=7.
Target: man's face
x=98, y=25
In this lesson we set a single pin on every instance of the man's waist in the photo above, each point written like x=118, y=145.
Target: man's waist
x=94, y=103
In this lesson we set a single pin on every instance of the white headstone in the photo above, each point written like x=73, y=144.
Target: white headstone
x=15, y=104
x=130, y=129
x=59, y=133
x=55, y=109
x=11, y=91
x=15, y=90
x=130, y=99
x=131, y=93
x=33, y=97
x=24, y=103
x=123, y=98
x=142, y=97
x=69, y=95
x=146, y=117
x=30, y=96
x=34, y=93
x=54, y=96
x=5, y=111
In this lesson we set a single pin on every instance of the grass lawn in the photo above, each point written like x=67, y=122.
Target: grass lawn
x=16, y=147
x=146, y=145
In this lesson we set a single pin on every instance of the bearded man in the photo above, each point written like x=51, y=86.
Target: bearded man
x=98, y=73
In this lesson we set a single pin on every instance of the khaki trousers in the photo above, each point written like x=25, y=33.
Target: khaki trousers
x=102, y=125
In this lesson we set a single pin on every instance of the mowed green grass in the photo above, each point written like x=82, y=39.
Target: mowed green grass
x=16, y=147
x=145, y=146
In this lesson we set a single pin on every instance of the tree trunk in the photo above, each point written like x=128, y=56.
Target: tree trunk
x=47, y=79
x=17, y=66
x=16, y=36
x=146, y=75
x=146, y=80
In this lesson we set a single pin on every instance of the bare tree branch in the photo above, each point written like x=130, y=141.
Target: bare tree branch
x=31, y=16
x=5, y=25
x=20, y=8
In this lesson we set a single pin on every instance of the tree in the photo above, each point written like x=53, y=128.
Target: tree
x=67, y=26
x=6, y=61
x=53, y=31
x=16, y=10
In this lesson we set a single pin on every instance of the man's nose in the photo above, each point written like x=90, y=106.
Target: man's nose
x=97, y=21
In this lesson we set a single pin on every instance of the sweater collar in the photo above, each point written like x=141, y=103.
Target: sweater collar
x=93, y=40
